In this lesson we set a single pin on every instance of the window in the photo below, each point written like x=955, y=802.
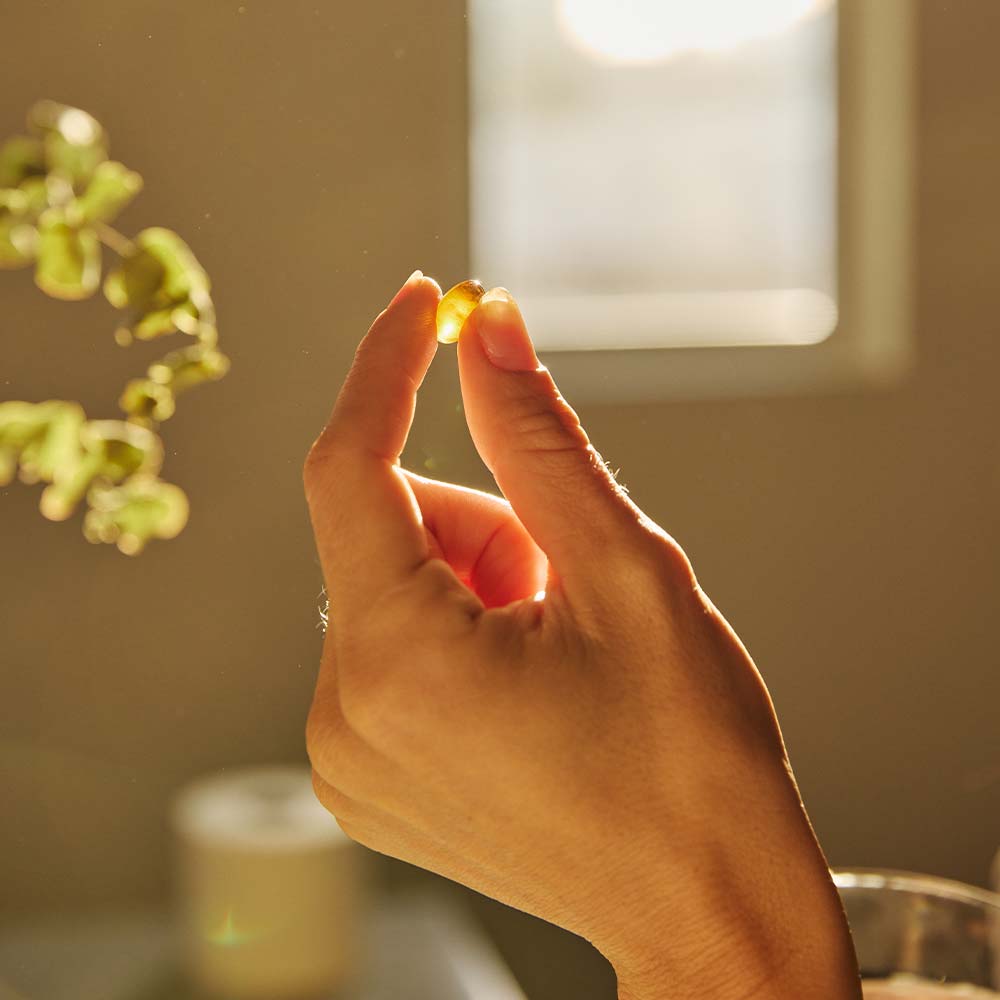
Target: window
x=651, y=175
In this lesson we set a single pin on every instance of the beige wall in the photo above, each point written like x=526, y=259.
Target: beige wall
x=312, y=153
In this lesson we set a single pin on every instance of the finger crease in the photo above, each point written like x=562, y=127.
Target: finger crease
x=489, y=541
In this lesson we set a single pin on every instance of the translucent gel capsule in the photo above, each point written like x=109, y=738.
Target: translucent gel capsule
x=454, y=308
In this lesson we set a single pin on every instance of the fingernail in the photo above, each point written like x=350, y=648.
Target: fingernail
x=502, y=332
x=407, y=285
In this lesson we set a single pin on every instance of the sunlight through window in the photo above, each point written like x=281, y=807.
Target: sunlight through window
x=651, y=174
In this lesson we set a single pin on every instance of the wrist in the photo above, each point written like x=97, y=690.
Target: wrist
x=751, y=968
x=745, y=932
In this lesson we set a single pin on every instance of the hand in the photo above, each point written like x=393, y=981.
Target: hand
x=604, y=755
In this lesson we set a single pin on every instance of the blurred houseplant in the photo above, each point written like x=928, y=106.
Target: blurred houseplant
x=59, y=192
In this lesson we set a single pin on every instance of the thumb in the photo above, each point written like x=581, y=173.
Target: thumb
x=533, y=443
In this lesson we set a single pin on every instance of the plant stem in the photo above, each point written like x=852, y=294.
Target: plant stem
x=114, y=240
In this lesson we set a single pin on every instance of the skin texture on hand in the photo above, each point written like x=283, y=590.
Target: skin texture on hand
x=604, y=755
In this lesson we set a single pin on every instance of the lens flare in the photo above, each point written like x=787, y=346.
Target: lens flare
x=226, y=934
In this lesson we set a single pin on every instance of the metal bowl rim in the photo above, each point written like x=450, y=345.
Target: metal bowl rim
x=903, y=881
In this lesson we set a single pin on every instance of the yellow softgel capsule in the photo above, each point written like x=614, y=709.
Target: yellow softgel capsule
x=454, y=308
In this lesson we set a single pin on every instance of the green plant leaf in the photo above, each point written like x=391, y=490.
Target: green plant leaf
x=13, y=201
x=154, y=324
x=69, y=259
x=36, y=196
x=183, y=275
x=186, y=318
x=141, y=508
x=109, y=452
x=8, y=465
x=19, y=208
x=18, y=240
x=21, y=157
x=75, y=162
x=124, y=448
x=59, y=498
x=189, y=367
x=162, y=272
x=111, y=188
x=57, y=447
x=120, y=459
x=147, y=400
x=58, y=188
x=135, y=281
x=74, y=142
x=20, y=422
x=164, y=285
x=76, y=125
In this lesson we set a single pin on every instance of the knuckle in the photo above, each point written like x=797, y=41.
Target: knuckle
x=320, y=737
x=405, y=642
x=315, y=461
x=367, y=670
x=337, y=802
x=373, y=701
x=670, y=564
x=355, y=831
x=328, y=449
x=541, y=425
x=385, y=706
x=675, y=558
x=648, y=562
x=316, y=736
x=327, y=747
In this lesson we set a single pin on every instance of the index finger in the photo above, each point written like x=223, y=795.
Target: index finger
x=366, y=521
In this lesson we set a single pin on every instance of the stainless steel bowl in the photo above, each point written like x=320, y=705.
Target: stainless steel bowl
x=920, y=936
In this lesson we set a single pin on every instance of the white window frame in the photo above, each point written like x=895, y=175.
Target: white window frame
x=872, y=344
